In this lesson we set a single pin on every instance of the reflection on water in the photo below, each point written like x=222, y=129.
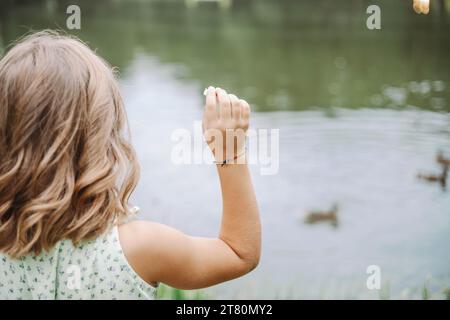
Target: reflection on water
x=360, y=113
x=281, y=56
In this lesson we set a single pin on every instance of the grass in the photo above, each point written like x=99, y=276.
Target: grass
x=168, y=293
x=447, y=293
x=425, y=292
x=385, y=292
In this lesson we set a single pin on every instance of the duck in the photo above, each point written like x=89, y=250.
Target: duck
x=441, y=159
x=330, y=216
x=440, y=178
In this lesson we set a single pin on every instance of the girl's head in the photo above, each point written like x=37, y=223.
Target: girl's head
x=66, y=169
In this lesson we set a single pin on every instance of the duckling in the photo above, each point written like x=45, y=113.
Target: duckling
x=441, y=159
x=323, y=216
x=441, y=178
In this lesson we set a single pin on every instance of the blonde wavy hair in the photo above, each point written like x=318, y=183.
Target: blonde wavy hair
x=66, y=166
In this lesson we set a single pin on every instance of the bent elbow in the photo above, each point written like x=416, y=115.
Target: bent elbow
x=250, y=264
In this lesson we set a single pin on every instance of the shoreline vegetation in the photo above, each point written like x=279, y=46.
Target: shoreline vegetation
x=430, y=290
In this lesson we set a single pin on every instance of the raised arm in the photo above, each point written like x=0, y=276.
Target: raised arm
x=159, y=253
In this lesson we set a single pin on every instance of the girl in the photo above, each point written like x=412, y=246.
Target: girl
x=67, y=171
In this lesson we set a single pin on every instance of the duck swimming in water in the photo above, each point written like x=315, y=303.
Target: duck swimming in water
x=440, y=178
x=323, y=216
x=441, y=159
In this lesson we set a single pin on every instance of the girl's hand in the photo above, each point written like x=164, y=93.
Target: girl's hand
x=421, y=6
x=225, y=124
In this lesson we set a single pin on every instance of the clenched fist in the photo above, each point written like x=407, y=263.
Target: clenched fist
x=225, y=124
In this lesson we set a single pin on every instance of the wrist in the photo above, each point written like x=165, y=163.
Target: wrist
x=239, y=158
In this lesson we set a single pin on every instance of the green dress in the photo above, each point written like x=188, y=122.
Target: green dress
x=94, y=269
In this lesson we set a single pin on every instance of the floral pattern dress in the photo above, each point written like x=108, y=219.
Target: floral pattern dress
x=94, y=269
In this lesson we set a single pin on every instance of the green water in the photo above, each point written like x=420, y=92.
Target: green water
x=281, y=55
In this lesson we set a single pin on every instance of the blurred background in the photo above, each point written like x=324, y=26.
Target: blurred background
x=362, y=114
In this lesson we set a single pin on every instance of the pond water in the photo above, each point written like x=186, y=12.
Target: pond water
x=360, y=114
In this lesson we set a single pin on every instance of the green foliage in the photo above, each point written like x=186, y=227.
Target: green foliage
x=447, y=293
x=168, y=293
x=425, y=293
x=385, y=292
